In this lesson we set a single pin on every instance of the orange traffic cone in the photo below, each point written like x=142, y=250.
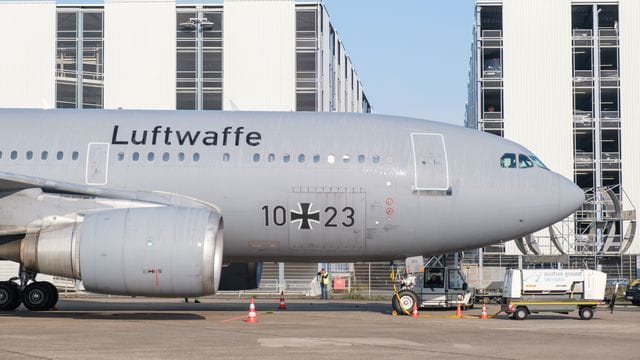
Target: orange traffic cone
x=252, y=318
x=282, y=305
x=483, y=316
x=459, y=311
x=414, y=313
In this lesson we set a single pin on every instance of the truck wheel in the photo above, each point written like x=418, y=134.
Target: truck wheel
x=586, y=313
x=520, y=313
x=407, y=299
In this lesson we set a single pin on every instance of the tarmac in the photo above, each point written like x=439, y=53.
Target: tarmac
x=143, y=328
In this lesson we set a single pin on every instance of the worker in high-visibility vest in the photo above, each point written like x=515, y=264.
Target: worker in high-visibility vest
x=323, y=278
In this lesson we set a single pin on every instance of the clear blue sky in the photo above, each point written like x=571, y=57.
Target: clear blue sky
x=412, y=55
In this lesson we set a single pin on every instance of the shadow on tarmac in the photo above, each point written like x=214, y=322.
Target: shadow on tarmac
x=102, y=315
x=137, y=309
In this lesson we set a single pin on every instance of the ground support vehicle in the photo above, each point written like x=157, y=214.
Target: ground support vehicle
x=633, y=292
x=561, y=291
x=434, y=287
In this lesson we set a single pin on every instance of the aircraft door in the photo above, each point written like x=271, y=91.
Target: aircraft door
x=430, y=162
x=97, y=164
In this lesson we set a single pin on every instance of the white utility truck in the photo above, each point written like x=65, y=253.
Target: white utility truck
x=561, y=291
x=438, y=286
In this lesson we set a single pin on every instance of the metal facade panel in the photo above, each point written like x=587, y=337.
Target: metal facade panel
x=629, y=11
x=139, y=54
x=259, y=55
x=537, y=79
x=29, y=53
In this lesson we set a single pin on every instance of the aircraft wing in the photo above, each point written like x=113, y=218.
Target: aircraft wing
x=11, y=183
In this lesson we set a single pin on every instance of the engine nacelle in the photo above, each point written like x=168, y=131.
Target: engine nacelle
x=155, y=251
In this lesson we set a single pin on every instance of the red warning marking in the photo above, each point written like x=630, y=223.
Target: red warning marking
x=157, y=273
x=388, y=201
x=389, y=211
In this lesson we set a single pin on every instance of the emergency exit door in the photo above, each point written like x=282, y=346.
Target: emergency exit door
x=97, y=164
x=430, y=162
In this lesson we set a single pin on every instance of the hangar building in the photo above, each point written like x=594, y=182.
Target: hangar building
x=267, y=55
x=562, y=77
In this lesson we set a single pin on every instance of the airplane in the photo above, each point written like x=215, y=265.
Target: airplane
x=153, y=203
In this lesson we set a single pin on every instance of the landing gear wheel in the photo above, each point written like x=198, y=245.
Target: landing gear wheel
x=586, y=313
x=54, y=292
x=39, y=296
x=520, y=313
x=9, y=296
x=407, y=299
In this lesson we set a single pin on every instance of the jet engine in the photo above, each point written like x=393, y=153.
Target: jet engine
x=153, y=251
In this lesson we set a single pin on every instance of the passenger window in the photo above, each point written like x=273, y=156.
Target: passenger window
x=166, y=156
x=361, y=159
x=331, y=159
x=301, y=158
x=226, y=157
x=60, y=155
x=74, y=156
x=14, y=155
x=120, y=156
x=136, y=156
x=181, y=157
x=272, y=157
x=256, y=157
x=44, y=155
x=316, y=158
x=0, y=154
x=524, y=161
x=196, y=156
x=508, y=161
x=29, y=155
x=151, y=156
x=286, y=158
x=346, y=158
x=376, y=159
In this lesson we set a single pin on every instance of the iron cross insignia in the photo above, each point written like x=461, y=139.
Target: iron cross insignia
x=305, y=216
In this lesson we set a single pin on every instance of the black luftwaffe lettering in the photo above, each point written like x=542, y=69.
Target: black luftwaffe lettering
x=229, y=136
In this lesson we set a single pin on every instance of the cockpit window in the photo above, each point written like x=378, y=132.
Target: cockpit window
x=538, y=163
x=524, y=161
x=508, y=161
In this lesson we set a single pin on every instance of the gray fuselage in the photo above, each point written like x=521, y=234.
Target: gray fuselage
x=302, y=186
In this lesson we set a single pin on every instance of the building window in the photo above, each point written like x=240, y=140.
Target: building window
x=306, y=59
x=199, y=59
x=80, y=58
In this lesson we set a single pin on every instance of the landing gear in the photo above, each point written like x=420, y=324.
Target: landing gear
x=40, y=296
x=35, y=295
x=9, y=296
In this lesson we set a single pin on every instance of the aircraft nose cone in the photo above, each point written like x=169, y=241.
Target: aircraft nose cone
x=571, y=196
